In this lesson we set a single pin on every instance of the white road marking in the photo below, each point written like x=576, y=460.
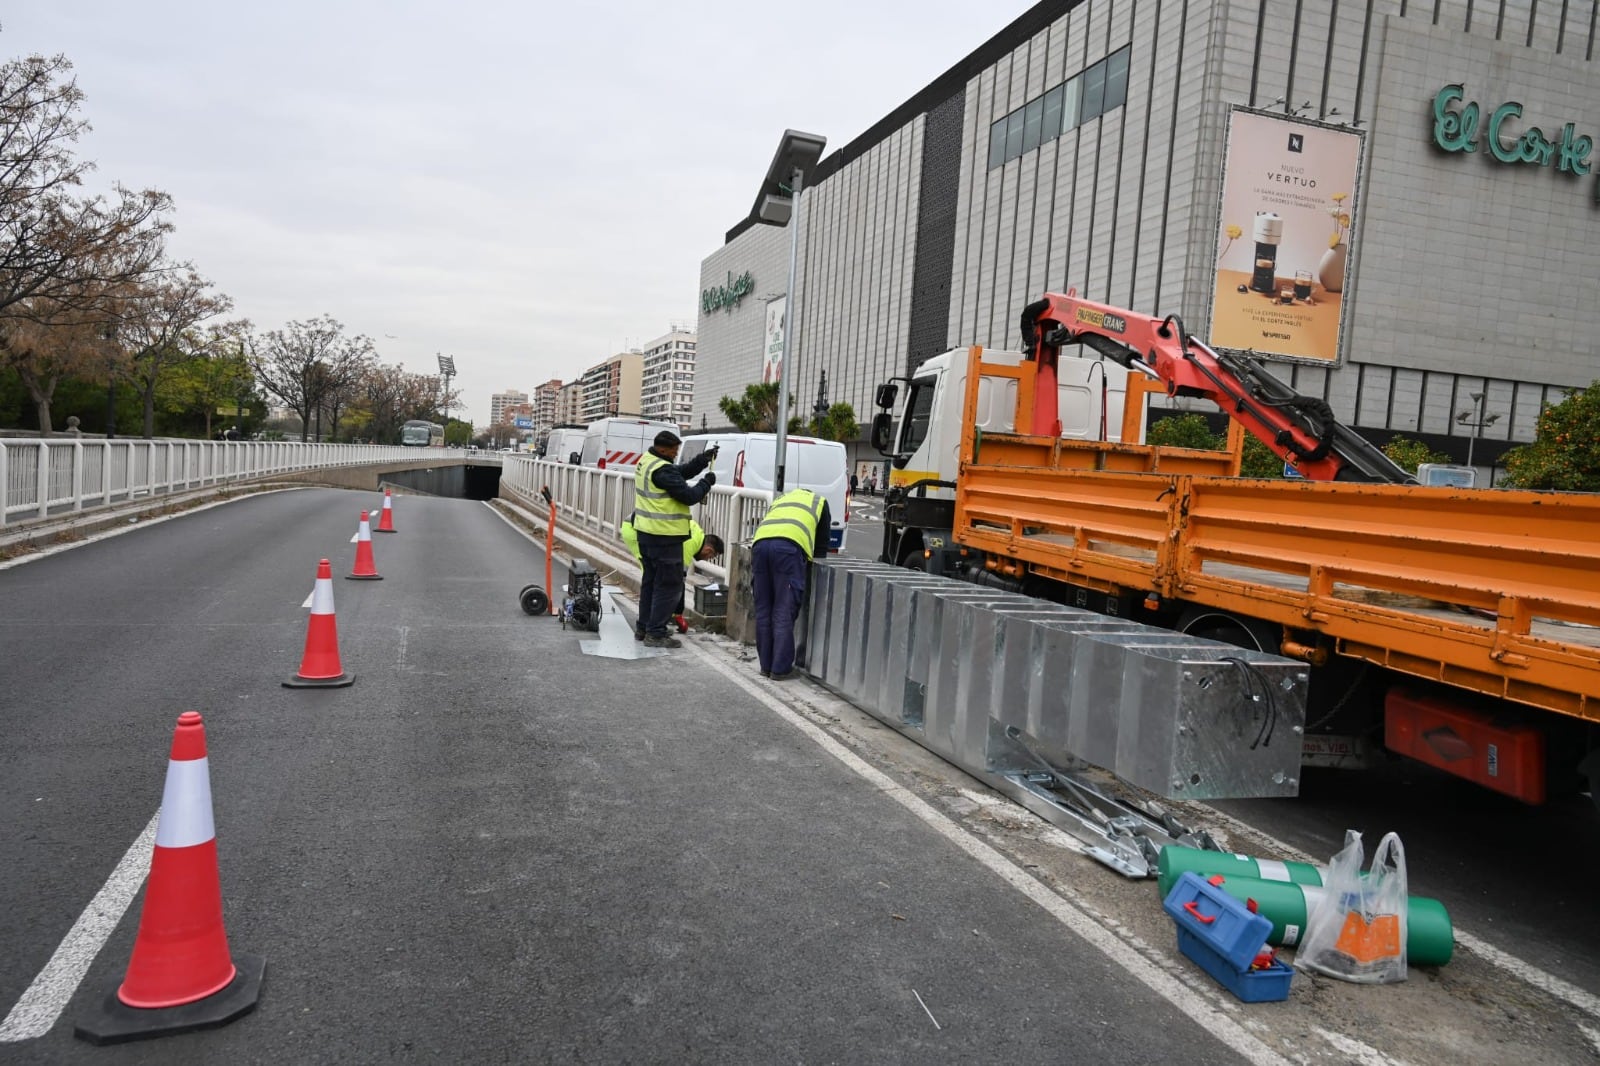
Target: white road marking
x=1358, y=1052
x=405, y=634
x=1212, y=1014
x=355, y=536
x=310, y=596
x=50, y=992
x=1526, y=971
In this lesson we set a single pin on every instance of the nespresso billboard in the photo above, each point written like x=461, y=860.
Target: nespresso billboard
x=1284, y=234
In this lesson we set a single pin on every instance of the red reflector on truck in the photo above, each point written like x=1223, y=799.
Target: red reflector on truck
x=1507, y=757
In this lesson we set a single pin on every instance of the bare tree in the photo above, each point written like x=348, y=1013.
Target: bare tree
x=63, y=258
x=46, y=344
x=156, y=324
x=292, y=362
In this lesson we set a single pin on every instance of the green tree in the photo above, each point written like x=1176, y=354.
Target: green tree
x=1193, y=431
x=1409, y=454
x=837, y=423
x=1184, y=431
x=457, y=434
x=757, y=410
x=1565, y=453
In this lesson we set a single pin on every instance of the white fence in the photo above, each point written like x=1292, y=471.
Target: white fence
x=599, y=500
x=39, y=477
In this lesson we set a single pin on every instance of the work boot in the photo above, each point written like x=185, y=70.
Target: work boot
x=662, y=642
x=638, y=634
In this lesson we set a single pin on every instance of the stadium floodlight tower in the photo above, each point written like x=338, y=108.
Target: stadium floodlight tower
x=780, y=204
x=447, y=370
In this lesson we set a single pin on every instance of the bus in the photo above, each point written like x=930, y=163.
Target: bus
x=420, y=434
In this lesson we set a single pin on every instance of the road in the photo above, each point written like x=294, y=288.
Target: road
x=492, y=848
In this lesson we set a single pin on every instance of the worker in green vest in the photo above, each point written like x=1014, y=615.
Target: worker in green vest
x=700, y=547
x=662, y=497
x=794, y=531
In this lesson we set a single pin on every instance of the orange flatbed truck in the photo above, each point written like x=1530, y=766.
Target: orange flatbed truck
x=1459, y=627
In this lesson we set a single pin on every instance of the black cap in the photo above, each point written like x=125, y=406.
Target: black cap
x=667, y=439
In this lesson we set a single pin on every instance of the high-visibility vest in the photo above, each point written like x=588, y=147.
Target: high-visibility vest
x=691, y=547
x=654, y=511
x=793, y=516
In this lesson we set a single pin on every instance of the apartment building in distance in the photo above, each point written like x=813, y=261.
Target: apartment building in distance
x=667, y=392
x=569, y=404
x=500, y=401
x=612, y=387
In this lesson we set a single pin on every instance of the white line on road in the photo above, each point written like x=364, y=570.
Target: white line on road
x=1363, y=1054
x=355, y=536
x=312, y=595
x=50, y=992
x=1206, y=1012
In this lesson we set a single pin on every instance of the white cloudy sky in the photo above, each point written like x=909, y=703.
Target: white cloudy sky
x=529, y=187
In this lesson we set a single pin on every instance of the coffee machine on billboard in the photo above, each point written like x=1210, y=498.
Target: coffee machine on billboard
x=1268, y=235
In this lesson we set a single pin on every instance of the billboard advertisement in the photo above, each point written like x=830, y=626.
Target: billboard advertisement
x=523, y=423
x=772, y=341
x=1284, y=234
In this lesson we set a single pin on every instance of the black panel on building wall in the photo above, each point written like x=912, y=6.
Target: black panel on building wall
x=939, y=193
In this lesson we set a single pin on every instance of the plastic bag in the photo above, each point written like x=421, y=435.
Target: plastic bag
x=1358, y=930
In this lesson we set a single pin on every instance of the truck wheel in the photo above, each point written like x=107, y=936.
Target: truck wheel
x=1212, y=624
x=534, y=600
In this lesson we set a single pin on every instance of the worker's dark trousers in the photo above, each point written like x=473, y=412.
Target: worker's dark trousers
x=778, y=573
x=661, y=581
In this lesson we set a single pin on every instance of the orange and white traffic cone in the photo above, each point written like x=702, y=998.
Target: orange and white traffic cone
x=386, y=520
x=365, y=568
x=181, y=976
x=320, y=666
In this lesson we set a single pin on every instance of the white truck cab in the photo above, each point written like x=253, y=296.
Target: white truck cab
x=925, y=442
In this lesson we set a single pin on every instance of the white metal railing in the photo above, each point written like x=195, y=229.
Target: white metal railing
x=599, y=500
x=40, y=477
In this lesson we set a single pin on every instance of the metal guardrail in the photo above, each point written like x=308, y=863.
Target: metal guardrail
x=599, y=500
x=39, y=477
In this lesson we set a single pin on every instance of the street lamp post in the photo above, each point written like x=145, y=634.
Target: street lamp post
x=797, y=153
x=1475, y=420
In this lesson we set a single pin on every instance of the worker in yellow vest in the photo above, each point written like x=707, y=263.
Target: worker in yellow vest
x=662, y=497
x=700, y=547
x=794, y=531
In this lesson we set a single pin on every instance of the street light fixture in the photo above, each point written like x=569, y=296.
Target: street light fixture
x=797, y=154
x=1474, y=419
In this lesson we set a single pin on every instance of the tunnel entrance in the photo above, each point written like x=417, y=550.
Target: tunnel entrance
x=466, y=482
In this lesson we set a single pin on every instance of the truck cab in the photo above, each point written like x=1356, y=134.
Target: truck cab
x=923, y=438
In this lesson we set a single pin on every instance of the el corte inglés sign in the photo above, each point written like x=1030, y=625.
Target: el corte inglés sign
x=1459, y=126
x=727, y=296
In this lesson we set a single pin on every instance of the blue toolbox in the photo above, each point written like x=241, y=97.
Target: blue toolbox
x=1226, y=940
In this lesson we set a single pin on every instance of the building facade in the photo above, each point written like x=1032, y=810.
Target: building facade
x=1423, y=172
x=667, y=389
x=569, y=404
x=500, y=401
x=612, y=387
x=546, y=400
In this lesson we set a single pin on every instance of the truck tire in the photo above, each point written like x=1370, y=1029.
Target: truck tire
x=1212, y=624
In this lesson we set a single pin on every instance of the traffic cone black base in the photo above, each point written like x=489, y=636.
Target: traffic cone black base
x=321, y=682
x=363, y=577
x=114, y=1022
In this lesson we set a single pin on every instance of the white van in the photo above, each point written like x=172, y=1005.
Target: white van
x=746, y=460
x=619, y=443
x=564, y=443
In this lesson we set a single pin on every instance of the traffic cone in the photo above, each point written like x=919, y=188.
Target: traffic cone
x=320, y=666
x=386, y=520
x=365, y=569
x=181, y=976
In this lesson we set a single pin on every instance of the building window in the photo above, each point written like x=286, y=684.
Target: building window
x=1101, y=88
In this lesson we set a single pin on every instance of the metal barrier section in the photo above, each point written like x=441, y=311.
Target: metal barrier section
x=999, y=684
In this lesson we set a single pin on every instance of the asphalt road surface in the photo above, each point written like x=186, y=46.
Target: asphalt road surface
x=492, y=848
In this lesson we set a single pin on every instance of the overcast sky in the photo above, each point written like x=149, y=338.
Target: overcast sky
x=529, y=187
